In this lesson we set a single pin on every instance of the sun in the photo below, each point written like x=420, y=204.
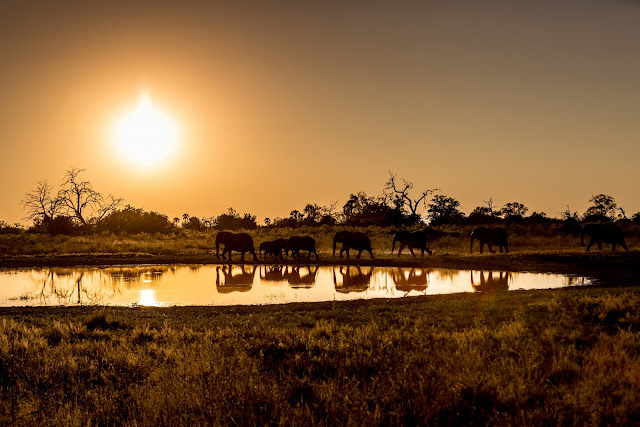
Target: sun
x=145, y=136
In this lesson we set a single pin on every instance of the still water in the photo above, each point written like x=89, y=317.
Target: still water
x=168, y=285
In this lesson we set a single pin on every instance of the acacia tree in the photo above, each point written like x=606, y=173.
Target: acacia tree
x=399, y=193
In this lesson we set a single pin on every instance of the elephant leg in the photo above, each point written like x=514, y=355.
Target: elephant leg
x=491, y=248
x=370, y=253
x=591, y=242
x=255, y=258
x=411, y=250
x=613, y=247
x=624, y=245
x=347, y=251
x=242, y=256
x=481, y=246
x=401, y=248
x=359, y=253
x=600, y=244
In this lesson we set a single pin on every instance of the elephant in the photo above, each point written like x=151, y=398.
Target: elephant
x=490, y=237
x=273, y=248
x=242, y=281
x=352, y=240
x=413, y=239
x=301, y=243
x=491, y=283
x=239, y=242
x=603, y=233
x=353, y=279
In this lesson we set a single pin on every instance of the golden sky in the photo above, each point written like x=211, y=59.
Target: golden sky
x=279, y=104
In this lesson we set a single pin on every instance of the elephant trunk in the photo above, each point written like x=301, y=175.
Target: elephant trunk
x=471, y=246
x=582, y=233
x=335, y=242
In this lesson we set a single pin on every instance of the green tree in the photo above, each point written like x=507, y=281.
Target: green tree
x=603, y=208
x=443, y=210
x=513, y=209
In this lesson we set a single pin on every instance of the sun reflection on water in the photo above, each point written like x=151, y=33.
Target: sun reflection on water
x=148, y=298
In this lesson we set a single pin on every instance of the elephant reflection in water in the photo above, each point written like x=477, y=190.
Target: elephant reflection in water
x=297, y=280
x=353, y=279
x=494, y=281
x=272, y=273
x=237, y=278
x=416, y=279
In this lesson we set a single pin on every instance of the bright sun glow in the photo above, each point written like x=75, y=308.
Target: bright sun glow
x=145, y=136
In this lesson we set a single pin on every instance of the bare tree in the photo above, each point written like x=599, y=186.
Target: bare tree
x=82, y=202
x=400, y=194
x=40, y=205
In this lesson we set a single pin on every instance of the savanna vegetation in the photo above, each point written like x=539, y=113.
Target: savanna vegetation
x=545, y=357
x=80, y=220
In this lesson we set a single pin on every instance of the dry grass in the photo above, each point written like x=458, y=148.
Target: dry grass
x=546, y=357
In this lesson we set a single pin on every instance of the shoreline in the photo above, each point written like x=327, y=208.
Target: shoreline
x=605, y=267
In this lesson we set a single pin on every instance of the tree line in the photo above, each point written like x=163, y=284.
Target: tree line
x=77, y=208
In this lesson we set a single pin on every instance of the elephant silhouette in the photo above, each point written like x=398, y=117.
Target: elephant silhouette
x=353, y=279
x=272, y=273
x=352, y=240
x=239, y=242
x=297, y=280
x=490, y=237
x=273, y=248
x=416, y=279
x=295, y=244
x=490, y=282
x=412, y=239
x=237, y=278
x=603, y=233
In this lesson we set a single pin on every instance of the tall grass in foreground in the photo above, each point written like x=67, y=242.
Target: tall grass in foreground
x=508, y=358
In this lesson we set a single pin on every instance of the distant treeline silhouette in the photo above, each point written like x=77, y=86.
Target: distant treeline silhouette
x=78, y=209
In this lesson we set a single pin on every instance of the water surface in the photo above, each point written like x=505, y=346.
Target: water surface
x=167, y=285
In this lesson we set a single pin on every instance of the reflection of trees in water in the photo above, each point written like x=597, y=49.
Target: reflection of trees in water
x=131, y=277
x=236, y=278
x=491, y=281
x=410, y=279
x=299, y=278
x=446, y=273
x=62, y=287
x=352, y=278
x=89, y=285
x=577, y=281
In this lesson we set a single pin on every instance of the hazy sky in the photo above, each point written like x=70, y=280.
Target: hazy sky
x=283, y=103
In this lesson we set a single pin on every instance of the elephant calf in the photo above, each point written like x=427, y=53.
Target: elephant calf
x=273, y=248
